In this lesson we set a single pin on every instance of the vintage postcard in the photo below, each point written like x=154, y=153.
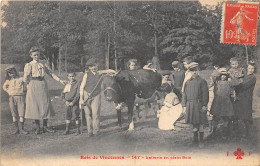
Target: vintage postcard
x=130, y=83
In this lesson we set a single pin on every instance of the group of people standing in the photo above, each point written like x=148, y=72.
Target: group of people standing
x=185, y=92
x=32, y=89
x=233, y=96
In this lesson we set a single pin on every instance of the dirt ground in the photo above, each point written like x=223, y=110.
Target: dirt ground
x=145, y=140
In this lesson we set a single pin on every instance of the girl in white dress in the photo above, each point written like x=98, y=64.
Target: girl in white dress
x=171, y=110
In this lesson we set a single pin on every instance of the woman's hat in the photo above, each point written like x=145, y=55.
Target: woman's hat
x=223, y=71
x=8, y=68
x=193, y=65
x=34, y=49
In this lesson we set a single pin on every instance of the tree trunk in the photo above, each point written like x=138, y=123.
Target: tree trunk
x=115, y=36
x=66, y=62
x=156, y=63
x=108, y=49
x=107, y=53
x=155, y=44
x=81, y=61
x=52, y=62
x=155, y=60
x=59, y=59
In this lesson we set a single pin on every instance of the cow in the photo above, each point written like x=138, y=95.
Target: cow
x=125, y=85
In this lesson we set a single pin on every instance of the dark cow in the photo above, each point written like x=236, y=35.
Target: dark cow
x=123, y=87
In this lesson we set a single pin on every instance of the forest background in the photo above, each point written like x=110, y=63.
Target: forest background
x=69, y=33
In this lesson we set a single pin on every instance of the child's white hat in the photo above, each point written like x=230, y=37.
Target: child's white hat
x=9, y=67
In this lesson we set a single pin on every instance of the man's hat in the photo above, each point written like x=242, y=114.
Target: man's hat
x=33, y=49
x=175, y=63
x=193, y=65
x=166, y=72
x=11, y=67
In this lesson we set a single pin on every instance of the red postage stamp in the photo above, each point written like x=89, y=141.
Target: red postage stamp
x=239, y=23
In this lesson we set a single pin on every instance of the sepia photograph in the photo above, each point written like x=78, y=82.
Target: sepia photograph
x=155, y=82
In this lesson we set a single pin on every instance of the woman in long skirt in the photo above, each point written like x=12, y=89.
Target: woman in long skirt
x=38, y=103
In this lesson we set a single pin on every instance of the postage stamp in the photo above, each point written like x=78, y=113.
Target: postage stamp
x=239, y=23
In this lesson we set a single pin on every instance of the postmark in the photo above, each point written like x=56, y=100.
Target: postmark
x=239, y=23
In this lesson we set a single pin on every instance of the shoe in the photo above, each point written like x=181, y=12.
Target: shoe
x=201, y=141
x=21, y=128
x=16, y=128
x=201, y=145
x=96, y=134
x=46, y=129
x=37, y=131
x=66, y=132
x=90, y=135
x=78, y=130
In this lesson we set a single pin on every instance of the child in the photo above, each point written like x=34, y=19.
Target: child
x=171, y=110
x=186, y=62
x=235, y=73
x=195, y=100
x=149, y=66
x=178, y=75
x=70, y=96
x=15, y=88
x=215, y=74
x=132, y=64
x=166, y=79
x=90, y=95
x=222, y=105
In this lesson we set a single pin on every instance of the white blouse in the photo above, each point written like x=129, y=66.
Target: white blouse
x=37, y=69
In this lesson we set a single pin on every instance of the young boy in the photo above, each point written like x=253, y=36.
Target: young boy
x=15, y=88
x=90, y=95
x=186, y=62
x=178, y=75
x=194, y=101
x=149, y=66
x=70, y=95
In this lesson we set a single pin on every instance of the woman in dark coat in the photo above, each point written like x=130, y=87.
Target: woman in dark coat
x=243, y=107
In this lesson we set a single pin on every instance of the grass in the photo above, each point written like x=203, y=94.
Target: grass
x=146, y=138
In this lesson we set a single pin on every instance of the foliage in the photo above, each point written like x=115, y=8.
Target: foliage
x=72, y=32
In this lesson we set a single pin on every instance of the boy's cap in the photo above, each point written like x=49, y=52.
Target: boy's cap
x=8, y=68
x=166, y=72
x=33, y=49
x=91, y=62
x=175, y=63
x=193, y=65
